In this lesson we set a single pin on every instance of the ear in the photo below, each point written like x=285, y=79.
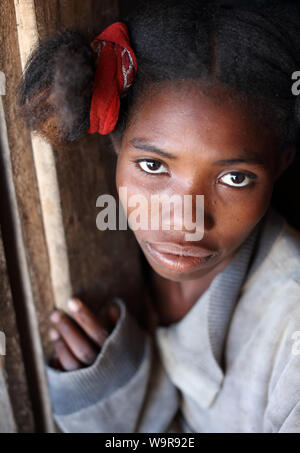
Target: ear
x=286, y=158
x=116, y=143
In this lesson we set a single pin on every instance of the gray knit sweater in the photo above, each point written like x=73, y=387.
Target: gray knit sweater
x=230, y=365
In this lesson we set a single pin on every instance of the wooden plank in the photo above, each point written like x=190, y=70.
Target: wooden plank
x=95, y=264
x=84, y=171
x=89, y=17
x=30, y=330
x=45, y=170
x=7, y=421
x=54, y=193
x=15, y=405
x=23, y=173
x=127, y=6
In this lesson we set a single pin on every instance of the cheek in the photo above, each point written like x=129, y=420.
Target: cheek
x=130, y=189
x=231, y=215
x=239, y=214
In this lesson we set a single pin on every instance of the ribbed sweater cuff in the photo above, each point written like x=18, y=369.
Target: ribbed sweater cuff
x=116, y=363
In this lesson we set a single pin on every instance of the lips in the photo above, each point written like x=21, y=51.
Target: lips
x=178, y=258
x=177, y=249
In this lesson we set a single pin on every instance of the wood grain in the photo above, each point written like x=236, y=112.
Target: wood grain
x=101, y=264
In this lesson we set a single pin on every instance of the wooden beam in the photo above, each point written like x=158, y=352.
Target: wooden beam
x=56, y=245
x=33, y=334
x=45, y=170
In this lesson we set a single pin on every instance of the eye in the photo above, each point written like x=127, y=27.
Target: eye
x=237, y=179
x=151, y=166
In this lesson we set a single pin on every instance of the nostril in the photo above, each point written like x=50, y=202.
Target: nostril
x=209, y=221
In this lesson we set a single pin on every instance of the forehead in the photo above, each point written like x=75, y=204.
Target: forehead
x=187, y=115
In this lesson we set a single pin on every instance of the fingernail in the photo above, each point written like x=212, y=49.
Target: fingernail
x=55, y=317
x=74, y=305
x=53, y=335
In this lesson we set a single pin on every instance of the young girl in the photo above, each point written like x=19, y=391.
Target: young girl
x=197, y=98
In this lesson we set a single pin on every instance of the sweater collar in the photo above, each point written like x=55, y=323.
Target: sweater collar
x=192, y=348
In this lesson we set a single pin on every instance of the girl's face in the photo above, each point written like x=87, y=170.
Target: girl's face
x=183, y=142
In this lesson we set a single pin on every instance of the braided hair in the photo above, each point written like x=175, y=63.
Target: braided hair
x=251, y=47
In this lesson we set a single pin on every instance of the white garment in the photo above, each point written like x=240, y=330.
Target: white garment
x=175, y=382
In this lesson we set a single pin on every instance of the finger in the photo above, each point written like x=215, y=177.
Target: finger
x=53, y=360
x=96, y=329
x=78, y=343
x=63, y=357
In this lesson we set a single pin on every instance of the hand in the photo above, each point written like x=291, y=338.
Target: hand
x=77, y=338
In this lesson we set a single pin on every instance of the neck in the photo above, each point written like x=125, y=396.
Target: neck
x=172, y=300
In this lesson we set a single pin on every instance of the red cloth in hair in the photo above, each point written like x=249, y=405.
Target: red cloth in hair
x=116, y=69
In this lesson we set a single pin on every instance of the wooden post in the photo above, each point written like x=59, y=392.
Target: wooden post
x=48, y=214
x=28, y=308
x=45, y=170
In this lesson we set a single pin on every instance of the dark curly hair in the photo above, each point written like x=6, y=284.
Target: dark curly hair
x=251, y=49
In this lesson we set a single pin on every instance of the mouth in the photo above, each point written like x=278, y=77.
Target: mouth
x=179, y=258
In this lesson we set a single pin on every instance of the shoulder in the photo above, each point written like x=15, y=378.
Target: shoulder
x=265, y=328
x=266, y=321
x=270, y=294
x=285, y=254
x=276, y=260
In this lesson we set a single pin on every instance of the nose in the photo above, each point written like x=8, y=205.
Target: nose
x=189, y=211
x=193, y=216
x=195, y=185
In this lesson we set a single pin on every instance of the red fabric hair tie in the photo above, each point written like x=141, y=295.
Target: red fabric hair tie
x=116, y=69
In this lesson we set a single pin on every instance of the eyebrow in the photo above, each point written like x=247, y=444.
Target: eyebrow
x=255, y=160
x=247, y=157
x=140, y=144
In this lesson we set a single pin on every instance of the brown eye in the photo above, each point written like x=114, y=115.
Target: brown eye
x=237, y=179
x=152, y=166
